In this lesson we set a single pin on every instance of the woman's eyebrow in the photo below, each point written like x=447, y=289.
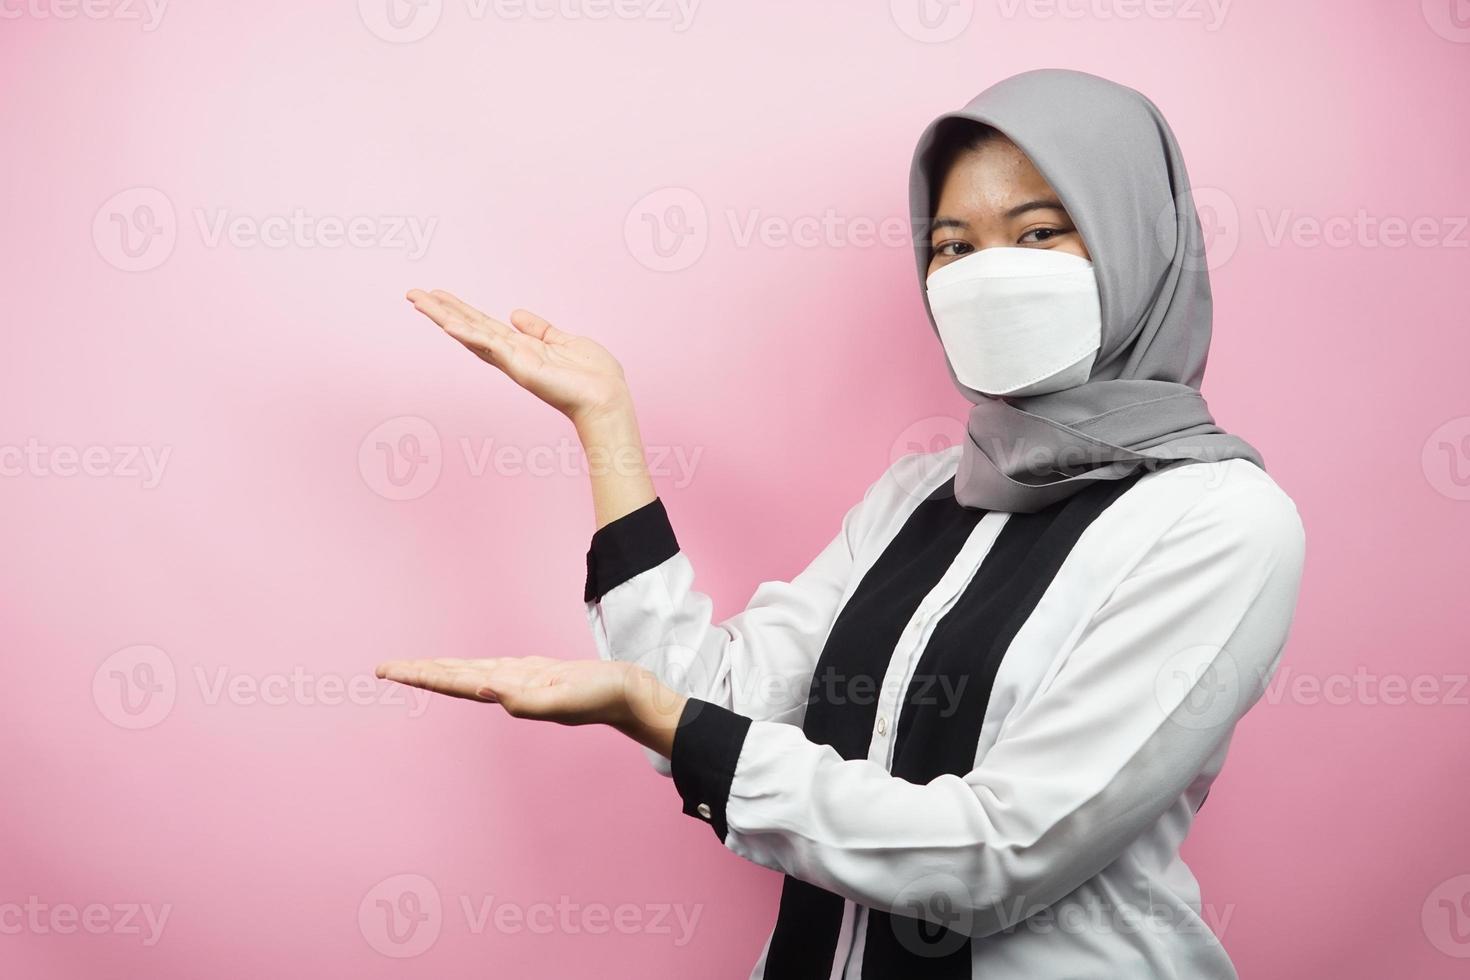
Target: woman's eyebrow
x=1046, y=204
x=948, y=223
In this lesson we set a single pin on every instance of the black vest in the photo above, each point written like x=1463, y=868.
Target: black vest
x=938, y=726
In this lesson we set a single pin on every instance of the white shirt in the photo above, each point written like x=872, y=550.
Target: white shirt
x=1109, y=716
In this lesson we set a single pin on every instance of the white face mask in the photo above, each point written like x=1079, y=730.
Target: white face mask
x=1018, y=321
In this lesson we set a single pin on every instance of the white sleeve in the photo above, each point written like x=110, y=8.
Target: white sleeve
x=1152, y=689
x=643, y=608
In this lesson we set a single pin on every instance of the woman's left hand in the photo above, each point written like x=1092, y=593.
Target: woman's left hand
x=570, y=692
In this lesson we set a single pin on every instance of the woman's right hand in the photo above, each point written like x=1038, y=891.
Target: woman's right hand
x=574, y=375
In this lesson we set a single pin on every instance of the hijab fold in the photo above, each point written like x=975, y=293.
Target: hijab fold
x=1116, y=167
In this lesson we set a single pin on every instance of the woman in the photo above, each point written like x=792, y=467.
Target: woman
x=974, y=732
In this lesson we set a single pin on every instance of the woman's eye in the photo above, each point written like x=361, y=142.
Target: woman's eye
x=951, y=249
x=1039, y=235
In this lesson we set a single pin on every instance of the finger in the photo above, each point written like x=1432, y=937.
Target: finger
x=530, y=700
x=537, y=326
x=427, y=675
x=481, y=663
x=518, y=665
x=417, y=673
x=531, y=660
x=509, y=353
x=443, y=313
x=467, y=312
x=495, y=349
x=505, y=679
x=429, y=306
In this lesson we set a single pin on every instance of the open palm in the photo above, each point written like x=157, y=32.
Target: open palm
x=575, y=375
x=571, y=692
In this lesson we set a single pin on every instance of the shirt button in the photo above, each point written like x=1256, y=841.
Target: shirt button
x=882, y=725
x=703, y=810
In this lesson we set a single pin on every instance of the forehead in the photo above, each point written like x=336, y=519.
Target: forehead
x=991, y=177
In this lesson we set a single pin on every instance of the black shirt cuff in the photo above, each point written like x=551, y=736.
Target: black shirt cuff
x=634, y=543
x=707, y=746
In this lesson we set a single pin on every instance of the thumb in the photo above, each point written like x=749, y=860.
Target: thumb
x=537, y=326
x=526, y=700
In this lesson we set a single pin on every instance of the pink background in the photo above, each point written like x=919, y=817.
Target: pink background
x=188, y=722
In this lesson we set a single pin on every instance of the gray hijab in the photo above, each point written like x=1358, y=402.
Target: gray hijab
x=1113, y=161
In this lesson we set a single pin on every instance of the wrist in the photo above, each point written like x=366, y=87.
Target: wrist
x=650, y=711
x=609, y=416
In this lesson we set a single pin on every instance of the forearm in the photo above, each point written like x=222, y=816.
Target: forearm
x=614, y=449
x=649, y=712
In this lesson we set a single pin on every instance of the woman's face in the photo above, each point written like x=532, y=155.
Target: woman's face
x=992, y=197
